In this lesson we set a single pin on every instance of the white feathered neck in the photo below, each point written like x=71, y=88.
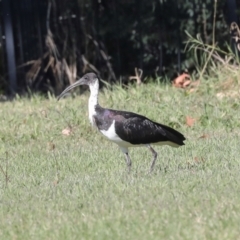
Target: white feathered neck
x=93, y=100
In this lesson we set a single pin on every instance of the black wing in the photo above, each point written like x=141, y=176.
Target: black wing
x=138, y=129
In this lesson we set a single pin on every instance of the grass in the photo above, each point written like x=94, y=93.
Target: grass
x=77, y=187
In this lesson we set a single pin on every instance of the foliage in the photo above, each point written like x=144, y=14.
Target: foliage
x=114, y=37
x=151, y=34
x=1, y=69
x=210, y=59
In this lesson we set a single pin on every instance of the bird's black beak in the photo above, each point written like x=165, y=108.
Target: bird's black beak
x=81, y=81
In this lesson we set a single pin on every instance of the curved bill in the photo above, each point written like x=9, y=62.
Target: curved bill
x=77, y=83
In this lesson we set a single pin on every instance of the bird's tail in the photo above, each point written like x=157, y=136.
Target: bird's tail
x=174, y=136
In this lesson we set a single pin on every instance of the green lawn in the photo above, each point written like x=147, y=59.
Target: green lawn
x=78, y=187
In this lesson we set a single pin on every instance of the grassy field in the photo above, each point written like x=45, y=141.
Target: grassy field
x=58, y=186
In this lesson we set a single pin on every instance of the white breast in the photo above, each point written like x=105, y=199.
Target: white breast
x=93, y=101
x=111, y=134
x=91, y=110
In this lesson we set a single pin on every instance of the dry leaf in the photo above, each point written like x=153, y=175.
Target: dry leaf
x=55, y=183
x=199, y=160
x=190, y=121
x=67, y=131
x=182, y=81
x=51, y=146
x=186, y=83
x=204, y=136
x=44, y=113
x=192, y=90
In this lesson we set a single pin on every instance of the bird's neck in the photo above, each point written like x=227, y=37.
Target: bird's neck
x=93, y=101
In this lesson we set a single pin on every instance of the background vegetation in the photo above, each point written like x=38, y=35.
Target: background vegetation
x=55, y=41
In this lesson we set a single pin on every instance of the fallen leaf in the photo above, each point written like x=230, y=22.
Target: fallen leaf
x=66, y=131
x=182, y=81
x=55, y=183
x=192, y=90
x=186, y=83
x=51, y=146
x=44, y=113
x=199, y=160
x=190, y=121
x=204, y=136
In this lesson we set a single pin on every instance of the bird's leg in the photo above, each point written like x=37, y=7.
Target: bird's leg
x=128, y=160
x=154, y=157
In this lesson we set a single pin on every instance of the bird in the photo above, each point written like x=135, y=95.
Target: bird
x=126, y=129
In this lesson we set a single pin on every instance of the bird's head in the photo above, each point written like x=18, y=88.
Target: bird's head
x=88, y=79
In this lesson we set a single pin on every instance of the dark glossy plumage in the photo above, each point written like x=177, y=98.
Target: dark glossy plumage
x=135, y=128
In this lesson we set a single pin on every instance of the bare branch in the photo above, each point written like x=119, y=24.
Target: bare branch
x=138, y=76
